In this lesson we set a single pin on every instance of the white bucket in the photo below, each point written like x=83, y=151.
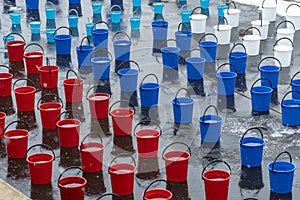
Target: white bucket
x=285, y=33
x=223, y=33
x=283, y=52
x=294, y=16
x=262, y=26
x=252, y=44
x=198, y=23
x=232, y=16
x=269, y=10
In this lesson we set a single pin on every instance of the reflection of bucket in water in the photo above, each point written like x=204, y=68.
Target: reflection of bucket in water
x=69, y=157
x=95, y=183
x=148, y=168
x=122, y=144
x=17, y=168
x=37, y=190
x=251, y=178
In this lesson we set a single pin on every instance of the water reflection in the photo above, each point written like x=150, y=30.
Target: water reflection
x=77, y=7
x=234, y=34
x=150, y=114
x=97, y=18
x=274, y=196
x=49, y=91
x=122, y=144
x=2, y=148
x=251, y=178
x=222, y=51
x=148, y=168
x=7, y=4
x=75, y=32
x=33, y=15
x=100, y=126
x=51, y=138
x=50, y=24
x=196, y=87
x=29, y=118
x=16, y=28
x=211, y=152
x=226, y=104
x=115, y=27
x=64, y=61
x=35, y=37
x=69, y=157
x=17, y=168
x=95, y=183
x=131, y=97
x=170, y=74
x=41, y=192
x=180, y=190
x=241, y=84
x=77, y=109
x=157, y=45
x=35, y=78
x=8, y=104
x=18, y=69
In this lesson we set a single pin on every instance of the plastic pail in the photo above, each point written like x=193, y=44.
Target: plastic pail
x=208, y=49
x=252, y=42
x=33, y=59
x=128, y=79
x=226, y=81
x=198, y=21
x=100, y=36
x=149, y=92
x=5, y=82
x=183, y=38
x=183, y=108
x=195, y=67
x=32, y=4
x=160, y=30
x=73, y=88
x=261, y=96
x=157, y=193
x=290, y=108
x=116, y=14
x=48, y=75
x=283, y=52
x=98, y=103
x=223, y=32
x=270, y=72
x=238, y=59
x=262, y=26
x=84, y=53
x=285, y=32
x=121, y=47
x=295, y=83
x=269, y=10
x=25, y=96
x=63, y=42
x=15, y=48
x=232, y=15
x=293, y=16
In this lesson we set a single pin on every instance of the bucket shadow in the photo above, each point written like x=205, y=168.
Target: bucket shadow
x=210, y=69
x=97, y=18
x=271, y=31
x=35, y=37
x=170, y=74
x=17, y=168
x=2, y=148
x=180, y=190
x=252, y=63
x=95, y=183
x=7, y=4
x=35, y=78
x=29, y=118
x=41, y=192
x=64, y=61
x=241, y=84
x=234, y=34
x=196, y=87
x=222, y=51
x=99, y=86
x=251, y=178
x=76, y=108
x=284, y=75
x=75, y=32
x=274, y=196
x=148, y=168
x=122, y=144
x=50, y=138
x=157, y=45
x=195, y=40
x=18, y=68
x=266, y=46
x=50, y=24
x=69, y=157
x=131, y=97
x=77, y=7
x=211, y=151
x=226, y=104
x=115, y=27
x=8, y=104
x=16, y=28
x=49, y=91
x=33, y=15
x=100, y=126
x=150, y=114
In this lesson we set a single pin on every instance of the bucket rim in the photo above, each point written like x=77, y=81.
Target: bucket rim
x=170, y=50
x=9, y=75
x=216, y=170
x=113, y=112
x=85, y=47
x=283, y=48
x=167, y=192
x=36, y=154
x=295, y=82
x=128, y=72
x=73, y=177
x=99, y=31
x=37, y=53
x=222, y=27
x=62, y=37
x=260, y=23
x=195, y=60
x=243, y=144
x=208, y=44
x=232, y=11
x=266, y=90
x=139, y=136
x=2, y=115
x=186, y=157
x=10, y=43
x=68, y=82
x=251, y=37
x=155, y=86
x=160, y=24
x=270, y=70
x=46, y=68
x=285, y=31
x=242, y=54
x=83, y=149
x=281, y=171
x=287, y=103
x=218, y=119
x=122, y=42
x=24, y=134
x=233, y=75
x=175, y=101
x=132, y=168
x=198, y=16
x=41, y=106
x=99, y=94
x=33, y=90
x=97, y=60
x=76, y=123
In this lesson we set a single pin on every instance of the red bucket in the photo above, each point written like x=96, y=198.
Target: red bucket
x=216, y=180
x=176, y=163
x=33, y=59
x=71, y=187
x=147, y=141
x=49, y=111
x=91, y=154
x=122, y=177
x=157, y=193
x=73, y=88
x=25, y=96
x=5, y=82
x=98, y=104
x=122, y=119
x=48, y=75
x=16, y=141
x=2, y=123
x=40, y=165
x=15, y=48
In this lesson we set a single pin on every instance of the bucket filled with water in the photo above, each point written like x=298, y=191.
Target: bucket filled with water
x=6, y=81
x=149, y=92
x=73, y=88
x=226, y=80
x=270, y=72
x=223, y=32
x=232, y=15
x=33, y=59
x=183, y=108
x=238, y=58
x=283, y=52
x=157, y=193
x=252, y=42
x=63, y=42
x=208, y=49
x=25, y=96
x=293, y=15
x=48, y=75
x=290, y=108
x=100, y=35
x=84, y=53
x=99, y=103
x=15, y=48
x=198, y=21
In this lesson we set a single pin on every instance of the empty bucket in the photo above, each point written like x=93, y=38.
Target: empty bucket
x=84, y=53
x=252, y=42
x=238, y=59
x=223, y=32
x=100, y=36
x=262, y=26
x=293, y=16
x=91, y=154
x=159, y=29
x=35, y=27
x=71, y=187
x=251, y=149
x=283, y=52
x=290, y=108
x=158, y=7
x=157, y=193
x=135, y=23
x=16, y=141
x=269, y=9
x=15, y=48
x=2, y=123
x=63, y=42
x=128, y=79
x=32, y=4
x=33, y=59
x=270, y=72
x=210, y=126
x=281, y=175
x=195, y=68
x=216, y=180
x=149, y=92
x=49, y=111
x=73, y=18
x=48, y=75
x=73, y=88
x=285, y=32
x=25, y=96
x=226, y=81
x=198, y=21
x=183, y=108
x=40, y=165
x=232, y=15
x=115, y=14
x=122, y=176
x=50, y=35
x=147, y=140
x=295, y=84
x=261, y=97
x=183, y=38
x=6, y=81
x=208, y=49
x=97, y=7
x=121, y=47
x=50, y=10
x=176, y=163
x=101, y=66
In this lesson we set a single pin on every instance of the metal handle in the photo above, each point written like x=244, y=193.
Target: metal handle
x=224, y=64
x=153, y=122
x=49, y=3
x=69, y=168
x=252, y=27
x=110, y=194
x=33, y=44
x=295, y=76
x=293, y=4
x=260, y=80
x=285, y=21
x=121, y=33
x=24, y=79
x=48, y=95
x=253, y=128
x=67, y=75
x=73, y=10
x=216, y=161
x=148, y=76
x=89, y=42
x=189, y=149
x=207, y=35
x=9, y=69
x=17, y=121
x=160, y=180
x=220, y=21
x=161, y=16
x=284, y=152
x=68, y=111
x=283, y=38
x=270, y=57
x=121, y=155
x=166, y=42
x=102, y=50
x=130, y=61
x=211, y=106
x=15, y=34
x=100, y=22
x=117, y=7
x=262, y=5
x=103, y=86
x=238, y=44
x=90, y=134
x=62, y=27
x=187, y=92
x=120, y=101
x=41, y=145
x=231, y=2
x=196, y=8
x=283, y=98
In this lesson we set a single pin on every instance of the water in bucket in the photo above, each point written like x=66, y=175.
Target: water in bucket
x=290, y=108
x=183, y=108
x=157, y=193
x=149, y=92
x=261, y=98
x=97, y=7
x=35, y=27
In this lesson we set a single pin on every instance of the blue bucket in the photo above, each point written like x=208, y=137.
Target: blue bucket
x=195, y=67
x=32, y=4
x=135, y=23
x=261, y=96
x=84, y=53
x=149, y=92
x=116, y=14
x=183, y=108
x=225, y=81
x=290, y=108
x=35, y=27
x=208, y=49
x=74, y=1
x=73, y=18
x=158, y=7
x=183, y=39
x=251, y=149
x=88, y=29
x=221, y=8
x=160, y=30
x=97, y=7
x=281, y=175
x=50, y=10
x=238, y=59
x=185, y=16
x=50, y=35
x=295, y=83
x=7, y=39
x=136, y=3
x=270, y=72
x=63, y=42
x=170, y=57
x=128, y=79
x=101, y=68
x=204, y=4
x=122, y=47
x=100, y=36
x=15, y=18
x=210, y=126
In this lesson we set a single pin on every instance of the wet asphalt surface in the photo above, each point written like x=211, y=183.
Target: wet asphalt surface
x=278, y=137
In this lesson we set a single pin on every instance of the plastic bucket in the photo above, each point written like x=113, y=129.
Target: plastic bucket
x=198, y=22
x=223, y=32
x=295, y=84
x=158, y=7
x=48, y=76
x=50, y=35
x=128, y=79
x=252, y=42
x=251, y=149
x=88, y=29
x=136, y=3
x=262, y=26
x=25, y=96
x=170, y=57
x=40, y=165
x=6, y=82
x=270, y=72
x=97, y=7
x=232, y=15
x=290, y=108
x=7, y=39
x=183, y=39
x=15, y=48
x=50, y=10
x=160, y=30
x=2, y=123
x=157, y=193
x=32, y=4
x=84, y=53
x=35, y=27
x=226, y=81
x=261, y=96
x=238, y=59
x=210, y=126
x=33, y=59
x=204, y=4
x=71, y=187
x=285, y=33
x=121, y=47
x=15, y=18
x=185, y=16
x=98, y=103
x=216, y=180
x=147, y=140
x=122, y=119
x=63, y=42
x=101, y=68
x=100, y=36
x=73, y=88
x=91, y=154
x=49, y=111
x=208, y=49
x=195, y=67
x=122, y=173
x=135, y=23
x=283, y=52
x=281, y=175
x=73, y=18
x=149, y=92
x=269, y=10
x=183, y=108
x=293, y=16
x=16, y=141
x=115, y=14
x=176, y=163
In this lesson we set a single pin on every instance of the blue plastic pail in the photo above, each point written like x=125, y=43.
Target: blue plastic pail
x=204, y=4
x=170, y=57
x=15, y=18
x=158, y=7
x=50, y=35
x=149, y=92
x=295, y=83
x=261, y=96
x=100, y=36
x=63, y=42
x=35, y=27
x=290, y=108
x=270, y=72
x=195, y=67
x=183, y=108
x=135, y=23
x=50, y=10
x=185, y=16
x=116, y=14
x=183, y=39
x=97, y=7
x=128, y=79
x=122, y=47
x=84, y=53
x=32, y=4
x=136, y=3
x=160, y=30
x=208, y=49
x=73, y=18
x=226, y=81
x=238, y=59
x=101, y=68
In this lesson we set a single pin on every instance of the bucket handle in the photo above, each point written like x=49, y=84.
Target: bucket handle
x=130, y=61
x=100, y=22
x=251, y=199
x=284, y=152
x=89, y=42
x=187, y=92
x=288, y=94
x=73, y=10
x=120, y=101
x=70, y=70
x=121, y=33
x=285, y=21
x=62, y=27
x=211, y=106
x=68, y=169
x=148, y=121
x=260, y=80
x=10, y=70
x=110, y=194
x=114, y=7
x=166, y=42
x=294, y=76
x=262, y=5
x=90, y=134
x=180, y=26
x=17, y=121
x=41, y=145
x=48, y=64
x=121, y=155
x=218, y=27
x=161, y=16
x=283, y=38
x=234, y=5
x=48, y=95
x=68, y=111
x=196, y=8
x=293, y=4
x=251, y=27
x=260, y=18
x=103, y=86
x=238, y=44
x=17, y=35
x=159, y=180
x=224, y=64
x=207, y=35
x=24, y=79
x=253, y=128
x=33, y=44
x=49, y=3
x=216, y=161
x=148, y=76
x=189, y=149
x=102, y=50
x=270, y=57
